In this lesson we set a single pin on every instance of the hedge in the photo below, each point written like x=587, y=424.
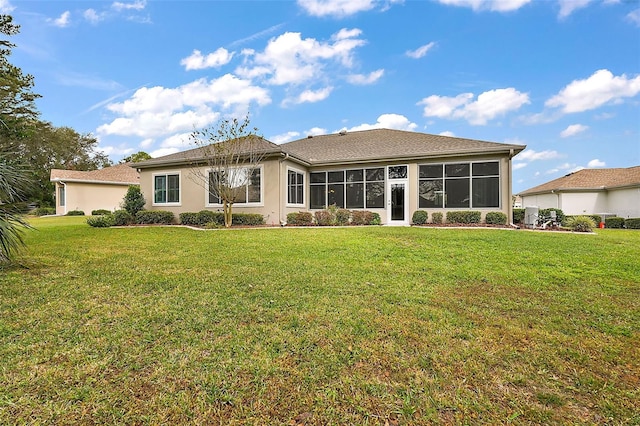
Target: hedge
x=300, y=219
x=614, y=222
x=436, y=217
x=518, y=215
x=75, y=213
x=100, y=221
x=44, y=211
x=150, y=217
x=632, y=223
x=496, y=218
x=122, y=218
x=100, y=212
x=210, y=218
x=419, y=217
x=464, y=217
x=365, y=217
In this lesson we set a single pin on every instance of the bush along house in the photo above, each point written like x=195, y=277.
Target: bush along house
x=389, y=172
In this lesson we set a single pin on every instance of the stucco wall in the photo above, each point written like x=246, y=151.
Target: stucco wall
x=579, y=203
x=624, y=202
x=90, y=196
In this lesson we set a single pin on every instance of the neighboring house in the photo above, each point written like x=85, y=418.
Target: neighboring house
x=94, y=190
x=590, y=191
x=391, y=172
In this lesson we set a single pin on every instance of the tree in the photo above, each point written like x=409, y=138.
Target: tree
x=231, y=150
x=133, y=200
x=136, y=158
x=13, y=184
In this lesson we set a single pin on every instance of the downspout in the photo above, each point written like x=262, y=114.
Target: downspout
x=281, y=199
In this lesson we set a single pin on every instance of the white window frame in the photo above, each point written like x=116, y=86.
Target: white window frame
x=167, y=174
x=304, y=187
x=217, y=205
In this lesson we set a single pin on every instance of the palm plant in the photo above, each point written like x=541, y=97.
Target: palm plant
x=13, y=184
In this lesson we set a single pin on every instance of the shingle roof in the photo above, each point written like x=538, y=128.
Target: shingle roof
x=197, y=154
x=381, y=144
x=596, y=179
x=366, y=145
x=121, y=174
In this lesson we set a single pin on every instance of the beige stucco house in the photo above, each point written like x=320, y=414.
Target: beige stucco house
x=93, y=190
x=391, y=172
x=614, y=191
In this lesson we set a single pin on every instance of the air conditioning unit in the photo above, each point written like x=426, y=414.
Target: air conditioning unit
x=530, y=216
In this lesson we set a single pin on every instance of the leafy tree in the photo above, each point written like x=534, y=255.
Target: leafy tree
x=231, y=151
x=13, y=184
x=133, y=200
x=136, y=158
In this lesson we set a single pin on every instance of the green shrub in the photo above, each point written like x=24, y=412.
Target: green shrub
x=100, y=221
x=580, y=223
x=133, y=201
x=342, y=216
x=300, y=219
x=464, y=216
x=75, y=213
x=436, y=218
x=614, y=222
x=518, y=215
x=324, y=218
x=544, y=215
x=44, y=211
x=122, y=218
x=496, y=218
x=188, y=218
x=419, y=217
x=207, y=216
x=596, y=218
x=247, y=219
x=100, y=212
x=149, y=217
x=365, y=217
x=632, y=223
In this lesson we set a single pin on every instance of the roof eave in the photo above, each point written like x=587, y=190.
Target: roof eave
x=101, y=182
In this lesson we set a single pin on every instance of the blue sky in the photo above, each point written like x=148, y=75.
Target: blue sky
x=560, y=76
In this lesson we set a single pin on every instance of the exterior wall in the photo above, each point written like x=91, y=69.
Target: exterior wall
x=579, y=203
x=193, y=195
x=274, y=205
x=624, y=203
x=90, y=196
x=621, y=202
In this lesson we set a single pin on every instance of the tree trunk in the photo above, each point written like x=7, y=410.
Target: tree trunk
x=228, y=215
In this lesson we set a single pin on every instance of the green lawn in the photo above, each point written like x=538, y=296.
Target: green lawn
x=368, y=325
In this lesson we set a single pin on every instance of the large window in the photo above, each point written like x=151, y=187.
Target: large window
x=351, y=188
x=61, y=196
x=459, y=185
x=166, y=189
x=295, y=187
x=243, y=184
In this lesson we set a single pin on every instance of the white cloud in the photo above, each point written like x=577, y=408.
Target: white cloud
x=136, y=5
x=566, y=168
x=388, y=121
x=179, y=140
x=213, y=60
x=420, y=51
x=567, y=7
x=447, y=133
x=289, y=59
x=596, y=163
x=163, y=151
x=492, y=5
x=63, y=20
x=599, y=89
x=634, y=17
x=315, y=131
x=337, y=8
x=487, y=106
x=284, y=137
x=6, y=6
x=160, y=111
x=116, y=150
x=364, y=79
x=518, y=166
x=573, y=130
x=146, y=143
x=92, y=16
x=312, y=96
x=531, y=155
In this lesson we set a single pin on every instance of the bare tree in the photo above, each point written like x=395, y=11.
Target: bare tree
x=231, y=150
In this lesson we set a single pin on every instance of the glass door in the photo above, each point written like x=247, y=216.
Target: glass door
x=397, y=208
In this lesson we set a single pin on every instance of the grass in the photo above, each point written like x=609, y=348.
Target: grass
x=368, y=325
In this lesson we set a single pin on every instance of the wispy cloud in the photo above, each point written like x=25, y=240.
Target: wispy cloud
x=573, y=130
x=62, y=21
x=257, y=35
x=6, y=6
x=420, y=51
x=136, y=5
